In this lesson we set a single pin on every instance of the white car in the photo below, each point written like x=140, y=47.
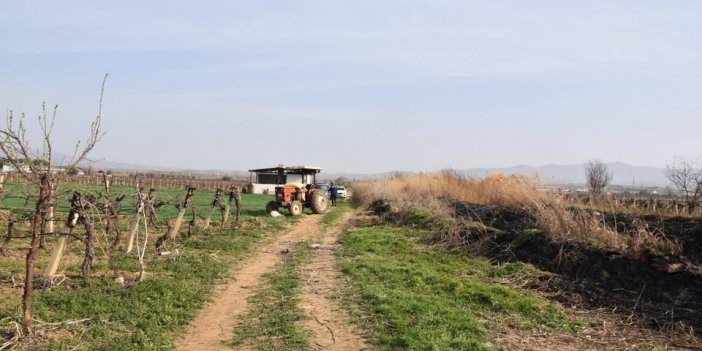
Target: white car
x=341, y=191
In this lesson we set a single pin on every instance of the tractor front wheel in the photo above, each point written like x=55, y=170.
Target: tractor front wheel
x=296, y=208
x=272, y=206
x=319, y=202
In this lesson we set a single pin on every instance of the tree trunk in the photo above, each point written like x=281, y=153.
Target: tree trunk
x=237, y=203
x=193, y=221
x=10, y=220
x=107, y=206
x=234, y=195
x=89, y=245
x=150, y=208
x=40, y=209
x=10, y=230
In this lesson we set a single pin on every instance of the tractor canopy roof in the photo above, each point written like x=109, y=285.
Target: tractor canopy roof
x=288, y=170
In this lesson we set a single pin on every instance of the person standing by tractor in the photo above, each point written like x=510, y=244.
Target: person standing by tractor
x=333, y=194
x=301, y=193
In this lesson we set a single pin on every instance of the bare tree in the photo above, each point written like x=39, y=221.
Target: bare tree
x=686, y=176
x=598, y=177
x=36, y=168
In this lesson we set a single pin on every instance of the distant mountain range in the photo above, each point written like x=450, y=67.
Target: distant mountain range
x=623, y=174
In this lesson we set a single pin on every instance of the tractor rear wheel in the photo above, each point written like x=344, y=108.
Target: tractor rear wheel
x=296, y=208
x=272, y=206
x=319, y=202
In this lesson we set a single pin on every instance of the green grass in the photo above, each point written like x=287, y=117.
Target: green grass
x=273, y=323
x=334, y=214
x=409, y=297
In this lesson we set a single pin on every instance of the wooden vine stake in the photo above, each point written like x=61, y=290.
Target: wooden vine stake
x=216, y=202
x=141, y=250
x=138, y=211
x=172, y=230
x=49, y=223
x=2, y=184
x=181, y=213
x=71, y=221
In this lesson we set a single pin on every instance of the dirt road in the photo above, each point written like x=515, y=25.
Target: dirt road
x=330, y=324
x=215, y=323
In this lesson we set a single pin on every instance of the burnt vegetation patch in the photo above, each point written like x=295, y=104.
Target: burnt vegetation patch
x=660, y=290
x=685, y=232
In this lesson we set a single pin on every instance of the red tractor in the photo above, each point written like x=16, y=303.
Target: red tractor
x=296, y=198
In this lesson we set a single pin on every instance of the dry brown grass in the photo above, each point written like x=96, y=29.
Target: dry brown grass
x=409, y=191
x=552, y=215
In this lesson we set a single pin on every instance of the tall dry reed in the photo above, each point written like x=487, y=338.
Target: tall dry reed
x=429, y=191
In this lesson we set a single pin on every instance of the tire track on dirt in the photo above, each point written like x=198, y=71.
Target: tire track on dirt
x=330, y=324
x=215, y=323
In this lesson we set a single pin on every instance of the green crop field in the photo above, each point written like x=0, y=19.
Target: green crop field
x=15, y=199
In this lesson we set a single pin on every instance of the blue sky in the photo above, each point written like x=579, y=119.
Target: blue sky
x=373, y=85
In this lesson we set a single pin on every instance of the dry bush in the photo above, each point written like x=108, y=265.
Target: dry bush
x=427, y=191
x=564, y=225
x=644, y=237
